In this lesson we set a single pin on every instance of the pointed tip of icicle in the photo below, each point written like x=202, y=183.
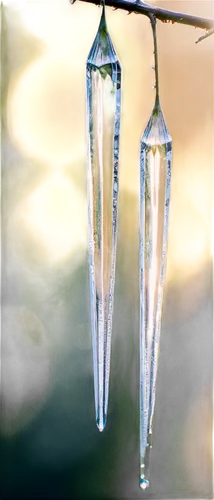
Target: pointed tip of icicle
x=101, y=423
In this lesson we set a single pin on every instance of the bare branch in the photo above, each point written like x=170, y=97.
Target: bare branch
x=163, y=15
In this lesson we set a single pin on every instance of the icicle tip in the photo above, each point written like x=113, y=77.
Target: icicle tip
x=101, y=423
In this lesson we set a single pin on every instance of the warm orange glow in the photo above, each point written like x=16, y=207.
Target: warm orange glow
x=55, y=216
x=44, y=116
x=190, y=222
x=50, y=19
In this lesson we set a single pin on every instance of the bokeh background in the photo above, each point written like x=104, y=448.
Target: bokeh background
x=50, y=446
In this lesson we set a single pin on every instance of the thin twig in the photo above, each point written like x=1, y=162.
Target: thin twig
x=153, y=24
x=163, y=15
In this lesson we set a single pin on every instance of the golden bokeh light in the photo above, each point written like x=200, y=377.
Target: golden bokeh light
x=44, y=115
x=190, y=213
x=49, y=19
x=80, y=36
x=54, y=217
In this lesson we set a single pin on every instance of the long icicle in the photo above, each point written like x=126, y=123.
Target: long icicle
x=155, y=176
x=103, y=127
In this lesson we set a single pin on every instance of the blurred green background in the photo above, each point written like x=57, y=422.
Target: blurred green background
x=50, y=446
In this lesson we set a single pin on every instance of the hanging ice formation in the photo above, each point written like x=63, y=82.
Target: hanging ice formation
x=155, y=175
x=103, y=128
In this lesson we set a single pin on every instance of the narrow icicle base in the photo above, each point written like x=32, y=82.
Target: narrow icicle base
x=103, y=122
x=155, y=175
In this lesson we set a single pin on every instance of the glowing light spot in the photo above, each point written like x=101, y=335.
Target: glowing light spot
x=190, y=213
x=49, y=19
x=45, y=110
x=55, y=214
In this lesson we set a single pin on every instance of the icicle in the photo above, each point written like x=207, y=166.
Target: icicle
x=155, y=174
x=103, y=126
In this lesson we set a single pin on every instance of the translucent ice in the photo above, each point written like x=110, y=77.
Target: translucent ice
x=103, y=127
x=155, y=174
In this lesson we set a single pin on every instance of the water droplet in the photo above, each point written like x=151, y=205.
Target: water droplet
x=153, y=86
x=144, y=484
x=153, y=68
